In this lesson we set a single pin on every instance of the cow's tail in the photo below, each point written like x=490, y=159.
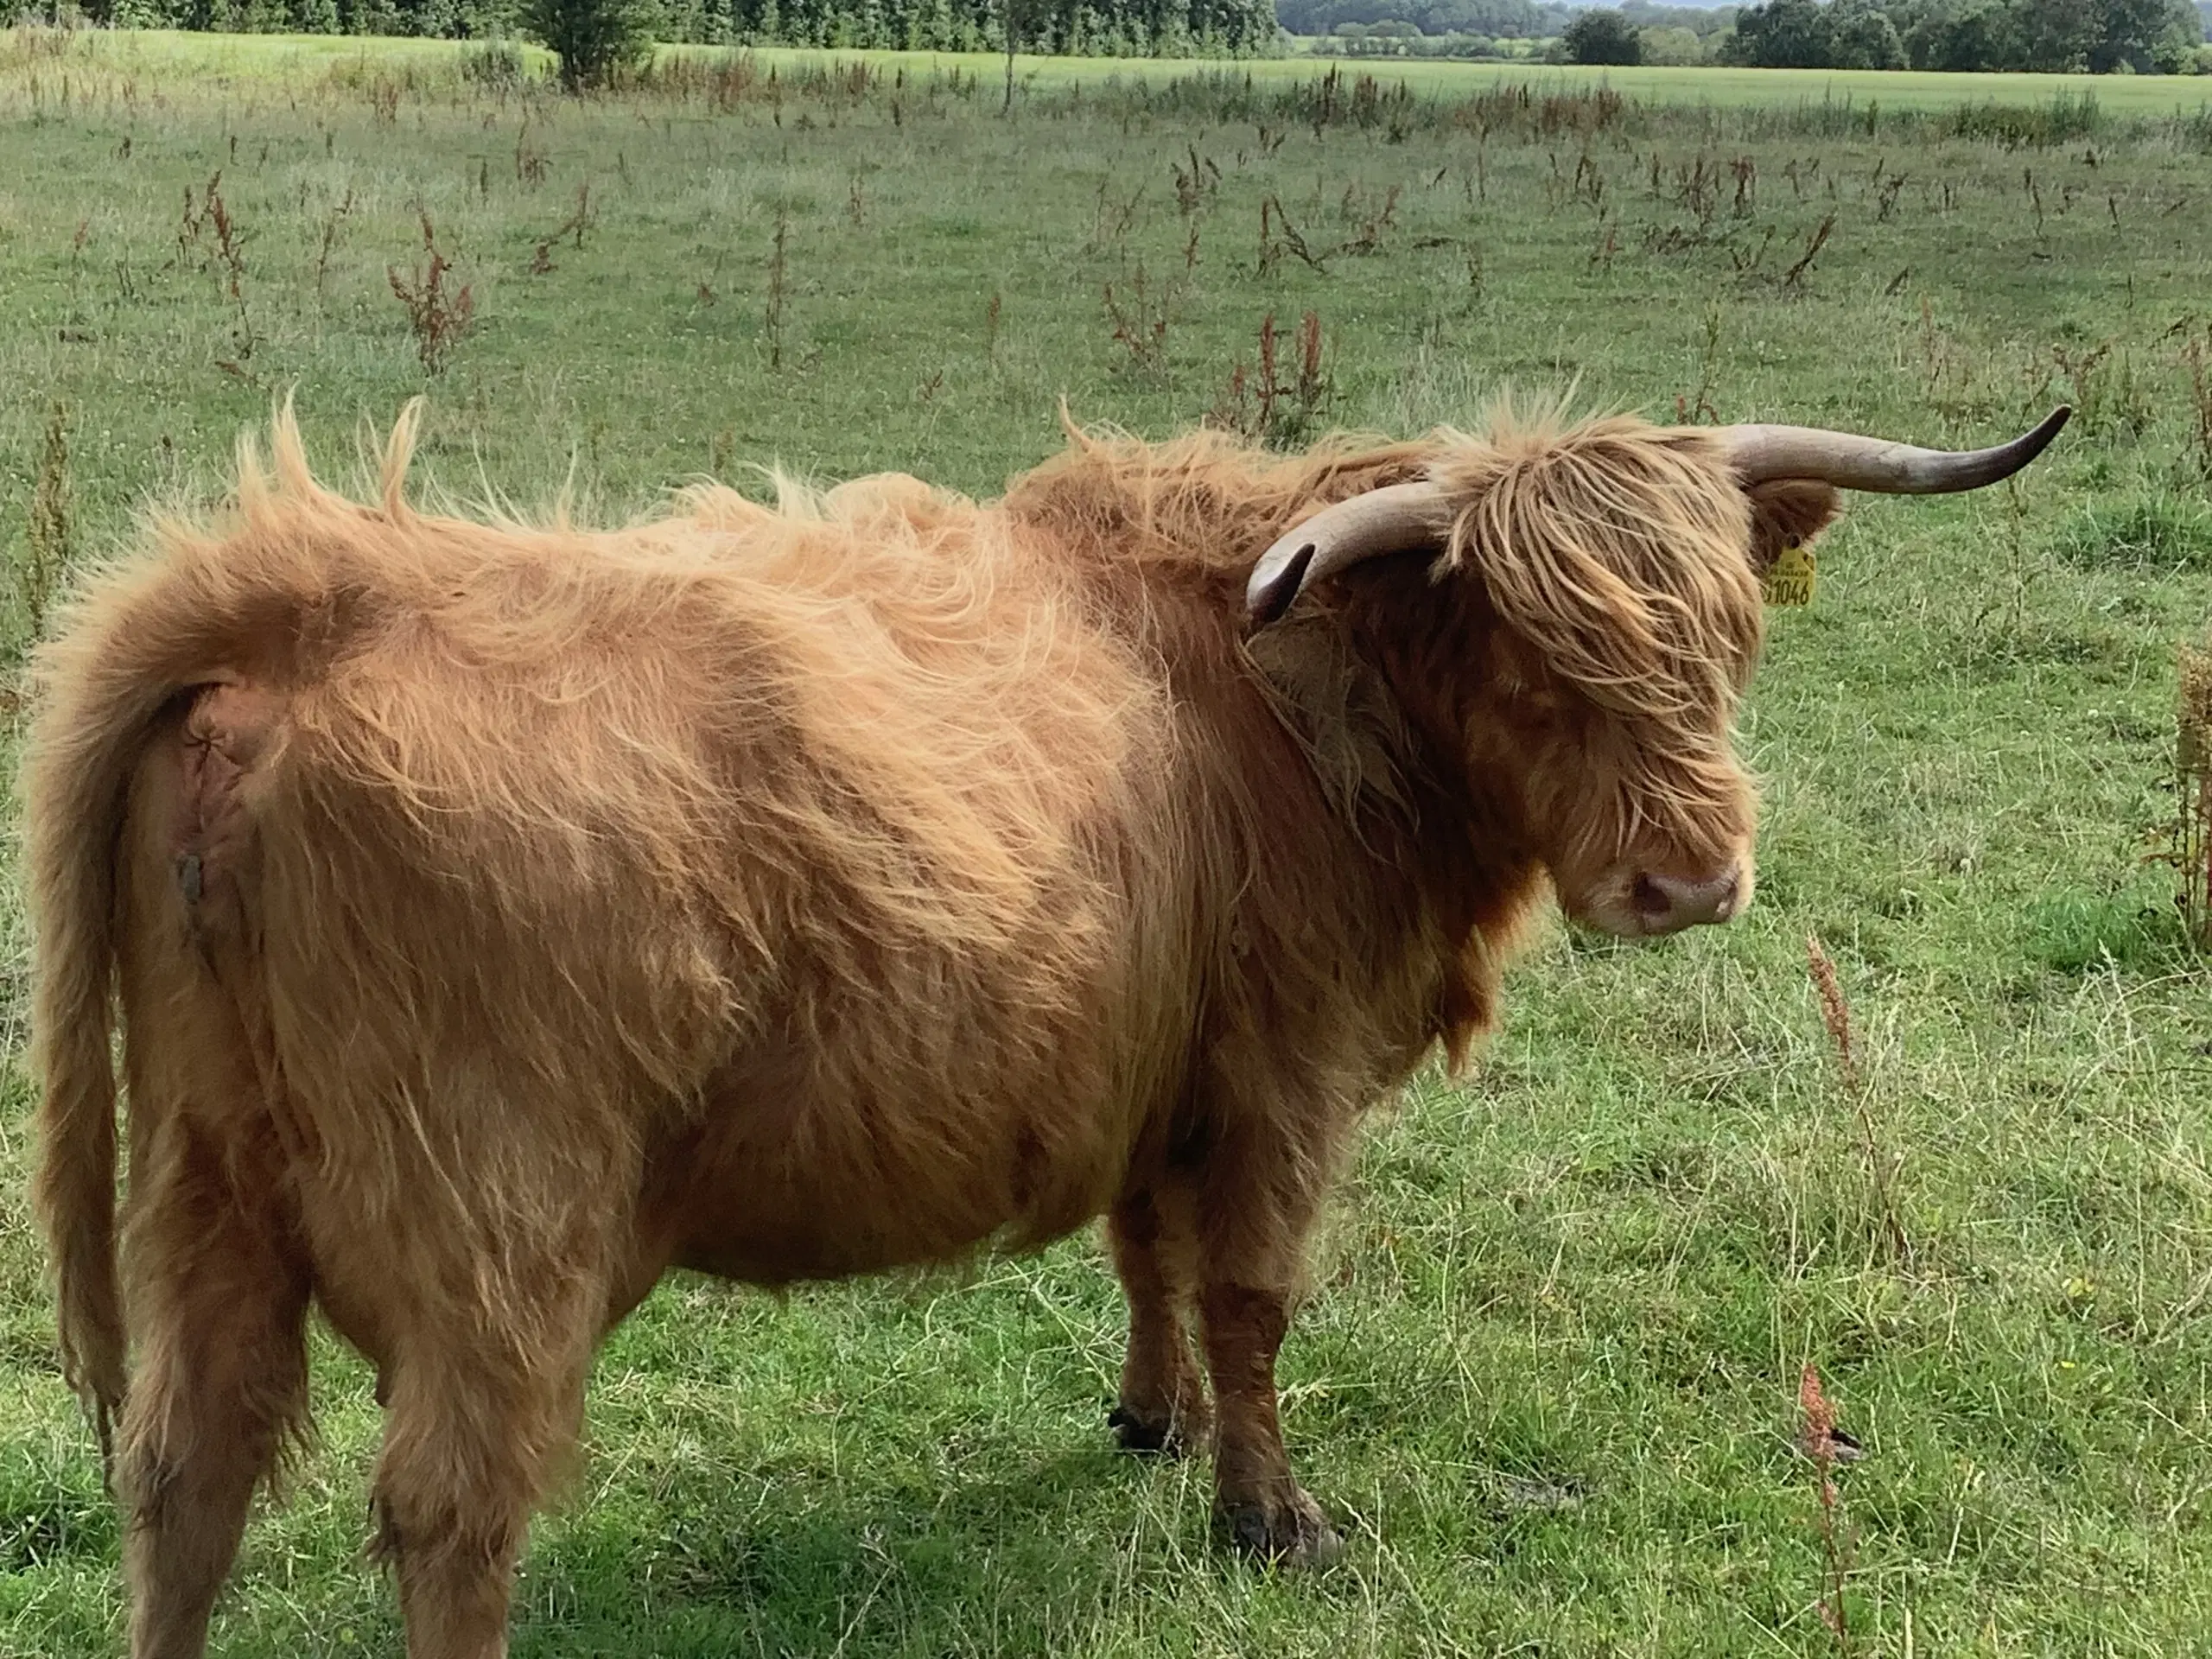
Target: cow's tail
x=136, y=638
x=90, y=731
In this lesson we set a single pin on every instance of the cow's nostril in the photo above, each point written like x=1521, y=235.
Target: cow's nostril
x=1725, y=904
x=1667, y=902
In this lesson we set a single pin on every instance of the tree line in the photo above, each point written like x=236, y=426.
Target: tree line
x=1504, y=20
x=1105, y=28
x=2100, y=37
x=2144, y=36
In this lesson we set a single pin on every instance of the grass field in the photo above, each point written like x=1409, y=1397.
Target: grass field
x=1549, y=1370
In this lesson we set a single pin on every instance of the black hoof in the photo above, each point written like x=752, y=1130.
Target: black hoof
x=1294, y=1535
x=1142, y=1433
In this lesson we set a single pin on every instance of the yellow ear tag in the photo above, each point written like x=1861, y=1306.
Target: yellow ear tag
x=1790, y=581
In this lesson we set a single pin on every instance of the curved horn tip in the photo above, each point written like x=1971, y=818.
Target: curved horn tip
x=2050, y=425
x=2032, y=442
x=1270, y=594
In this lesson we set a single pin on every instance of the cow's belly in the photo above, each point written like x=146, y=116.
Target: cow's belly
x=779, y=1181
x=772, y=1233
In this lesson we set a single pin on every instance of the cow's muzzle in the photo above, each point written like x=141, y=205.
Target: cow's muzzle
x=1644, y=904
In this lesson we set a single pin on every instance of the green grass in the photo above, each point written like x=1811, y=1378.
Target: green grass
x=1548, y=1372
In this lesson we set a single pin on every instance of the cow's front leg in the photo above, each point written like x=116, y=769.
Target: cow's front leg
x=1163, y=1403
x=1257, y=1200
x=1266, y=1513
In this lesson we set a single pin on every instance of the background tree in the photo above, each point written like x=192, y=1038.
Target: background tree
x=1784, y=34
x=1016, y=19
x=592, y=38
x=2054, y=35
x=2149, y=36
x=1603, y=36
x=1671, y=44
x=1509, y=20
x=1864, y=36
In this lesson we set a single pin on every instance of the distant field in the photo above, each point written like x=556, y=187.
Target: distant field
x=281, y=54
x=1548, y=1372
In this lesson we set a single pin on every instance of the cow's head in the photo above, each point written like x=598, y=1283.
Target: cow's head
x=1611, y=612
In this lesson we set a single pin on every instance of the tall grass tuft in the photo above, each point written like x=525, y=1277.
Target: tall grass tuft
x=47, y=551
x=777, y=275
x=1881, y=1167
x=2068, y=116
x=437, y=315
x=2193, y=772
x=2197, y=358
x=1825, y=1445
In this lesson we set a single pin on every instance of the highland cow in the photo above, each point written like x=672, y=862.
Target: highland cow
x=497, y=916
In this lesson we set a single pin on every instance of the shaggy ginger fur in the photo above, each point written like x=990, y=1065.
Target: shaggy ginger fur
x=501, y=916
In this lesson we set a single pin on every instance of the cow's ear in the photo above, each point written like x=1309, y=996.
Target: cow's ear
x=1788, y=512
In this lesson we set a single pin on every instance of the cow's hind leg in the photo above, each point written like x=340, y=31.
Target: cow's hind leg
x=482, y=1343
x=217, y=1277
x=219, y=1304
x=1163, y=1402
x=470, y=1449
x=1257, y=1202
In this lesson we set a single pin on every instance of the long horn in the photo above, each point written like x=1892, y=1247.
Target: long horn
x=1401, y=516
x=1388, y=521
x=1853, y=462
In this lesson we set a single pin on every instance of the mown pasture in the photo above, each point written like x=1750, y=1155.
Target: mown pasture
x=1549, y=1372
